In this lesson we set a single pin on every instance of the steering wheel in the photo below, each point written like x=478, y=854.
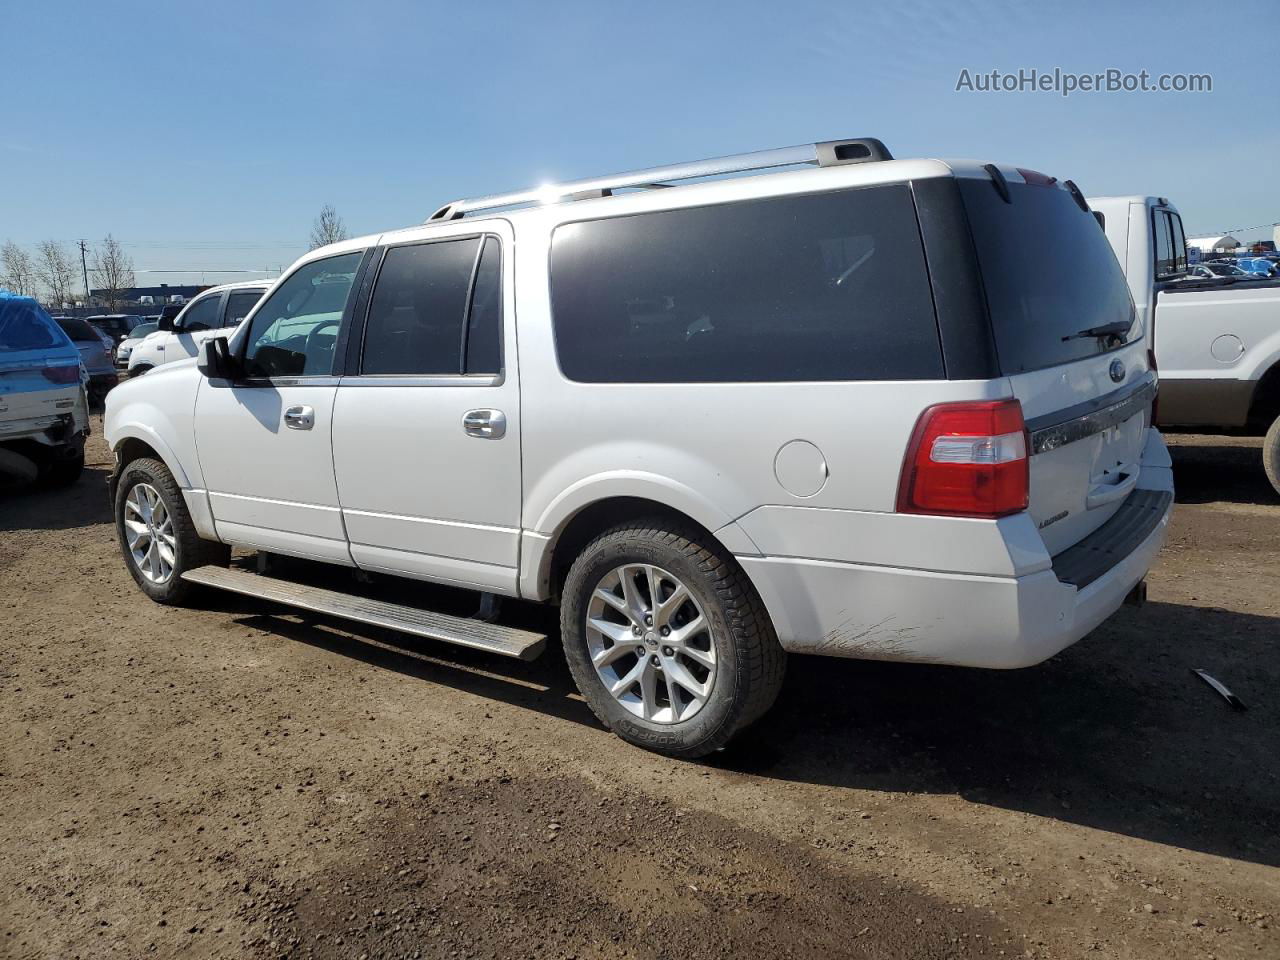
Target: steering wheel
x=317, y=331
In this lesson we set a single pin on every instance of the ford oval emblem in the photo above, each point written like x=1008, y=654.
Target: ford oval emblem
x=1117, y=371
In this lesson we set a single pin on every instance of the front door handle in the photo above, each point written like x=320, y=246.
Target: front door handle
x=486, y=424
x=300, y=418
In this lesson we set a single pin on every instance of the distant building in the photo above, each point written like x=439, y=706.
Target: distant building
x=154, y=295
x=1214, y=244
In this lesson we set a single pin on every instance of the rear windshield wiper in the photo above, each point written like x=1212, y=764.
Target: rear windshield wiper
x=1117, y=329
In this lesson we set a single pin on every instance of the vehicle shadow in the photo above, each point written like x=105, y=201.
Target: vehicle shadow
x=1115, y=733
x=1221, y=472
x=37, y=507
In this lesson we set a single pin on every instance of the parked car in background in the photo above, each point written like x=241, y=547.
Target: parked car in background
x=95, y=352
x=124, y=349
x=216, y=310
x=796, y=412
x=1256, y=266
x=44, y=410
x=115, y=325
x=1209, y=271
x=1215, y=337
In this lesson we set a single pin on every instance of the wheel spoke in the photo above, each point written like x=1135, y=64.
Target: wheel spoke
x=670, y=605
x=149, y=533
x=629, y=679
x=617, y=632
x=608, y=655
x=635, y=603
x=705, y=658
x=680, y=636
x=618, y=603
x=678, y=673
x=673, y=694
x=649, y=688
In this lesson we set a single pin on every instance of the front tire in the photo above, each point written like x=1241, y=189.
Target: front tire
x=157, y=538
x=667, y=639
x=1271, y=454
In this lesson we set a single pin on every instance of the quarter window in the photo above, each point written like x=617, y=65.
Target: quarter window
x=827, y=286
x=436, y=310
x=295, y=331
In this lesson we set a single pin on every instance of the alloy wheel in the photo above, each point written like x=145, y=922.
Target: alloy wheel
x=650, y=643
x=149, y=534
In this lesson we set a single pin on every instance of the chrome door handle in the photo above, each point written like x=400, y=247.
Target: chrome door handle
x=486, y=424
x=300, y=418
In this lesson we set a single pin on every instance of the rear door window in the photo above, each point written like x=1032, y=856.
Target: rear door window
x=1049, y=275
x=828, y=286
x=239, y=303
x=436, y=310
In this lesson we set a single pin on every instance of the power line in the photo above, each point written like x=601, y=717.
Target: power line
x=1223, y=233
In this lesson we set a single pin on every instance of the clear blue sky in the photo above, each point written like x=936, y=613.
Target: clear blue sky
x=209, y=135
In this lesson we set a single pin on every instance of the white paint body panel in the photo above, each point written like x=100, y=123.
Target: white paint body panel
x=387, y=479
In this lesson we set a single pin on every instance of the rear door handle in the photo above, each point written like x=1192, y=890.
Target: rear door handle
x=486, y=424
x=300, y=418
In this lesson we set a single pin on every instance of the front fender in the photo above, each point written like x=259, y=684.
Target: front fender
x=158, y=410
x=140, y=431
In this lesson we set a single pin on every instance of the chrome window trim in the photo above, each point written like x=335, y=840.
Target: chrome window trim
x=426, y=380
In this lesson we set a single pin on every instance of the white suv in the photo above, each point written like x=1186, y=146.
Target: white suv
x=210, y=314
x=852, y=408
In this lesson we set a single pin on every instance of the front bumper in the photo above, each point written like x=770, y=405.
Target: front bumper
x=976, y=620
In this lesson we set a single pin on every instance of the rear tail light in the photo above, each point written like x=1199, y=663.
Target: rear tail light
x=967, y=460
x=65, y=373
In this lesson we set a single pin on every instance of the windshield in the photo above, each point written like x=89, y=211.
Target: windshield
x=142, y=330
x=1050, y=276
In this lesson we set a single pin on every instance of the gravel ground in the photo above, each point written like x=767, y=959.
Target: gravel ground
x=242, y=781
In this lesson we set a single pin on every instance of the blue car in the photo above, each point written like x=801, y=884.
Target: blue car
x=44, y=407
x=1258, y=266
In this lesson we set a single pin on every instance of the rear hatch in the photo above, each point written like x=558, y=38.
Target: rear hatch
x=39, y=369
x=1069, y=341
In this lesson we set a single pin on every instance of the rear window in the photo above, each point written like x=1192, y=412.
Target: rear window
x=24, y=326
x=78, y=330
x=1049, y=274
x=826, y=286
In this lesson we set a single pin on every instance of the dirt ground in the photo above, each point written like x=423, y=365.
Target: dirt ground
x=242, y=781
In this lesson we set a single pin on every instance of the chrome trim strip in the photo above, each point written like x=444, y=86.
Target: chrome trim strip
x=440, y=380
x=1078, y=427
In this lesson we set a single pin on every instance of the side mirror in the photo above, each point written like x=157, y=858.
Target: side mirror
x=165, y=322
x=215, y=360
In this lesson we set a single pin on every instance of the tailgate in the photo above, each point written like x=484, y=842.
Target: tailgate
x=1068, y=340
x=1085, y=453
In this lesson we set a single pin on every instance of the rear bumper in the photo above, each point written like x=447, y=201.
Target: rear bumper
x=893, y=613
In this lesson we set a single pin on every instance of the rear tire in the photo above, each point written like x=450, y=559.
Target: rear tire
x=157, y=538
x=719, y=641
x=64, y=473
x=1271, y=454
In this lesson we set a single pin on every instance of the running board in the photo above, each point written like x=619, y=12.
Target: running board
x=490, y=637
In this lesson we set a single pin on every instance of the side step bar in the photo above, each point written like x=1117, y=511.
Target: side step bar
x=462, y=631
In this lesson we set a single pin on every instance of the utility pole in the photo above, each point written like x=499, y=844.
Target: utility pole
x=84, y=266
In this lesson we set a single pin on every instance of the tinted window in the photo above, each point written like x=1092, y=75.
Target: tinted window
x=1049, y=273
x=1163, y=243
x=201, y=315
x=822, y=287
x=143, y=330
x=294, y=332
x=418, y=309
x=239, y=303
x=24, y=326
x=1179, y=240
x=78, y=330
x=484, y=327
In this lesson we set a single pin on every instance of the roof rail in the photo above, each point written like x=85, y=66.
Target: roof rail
x=829, y=153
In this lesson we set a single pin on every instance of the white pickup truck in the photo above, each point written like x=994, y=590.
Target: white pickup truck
x=1216, y=342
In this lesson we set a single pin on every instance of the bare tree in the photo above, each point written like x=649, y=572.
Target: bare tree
x=328, y=227
x=112, y=272
x=56, y=271
x=19, y=271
